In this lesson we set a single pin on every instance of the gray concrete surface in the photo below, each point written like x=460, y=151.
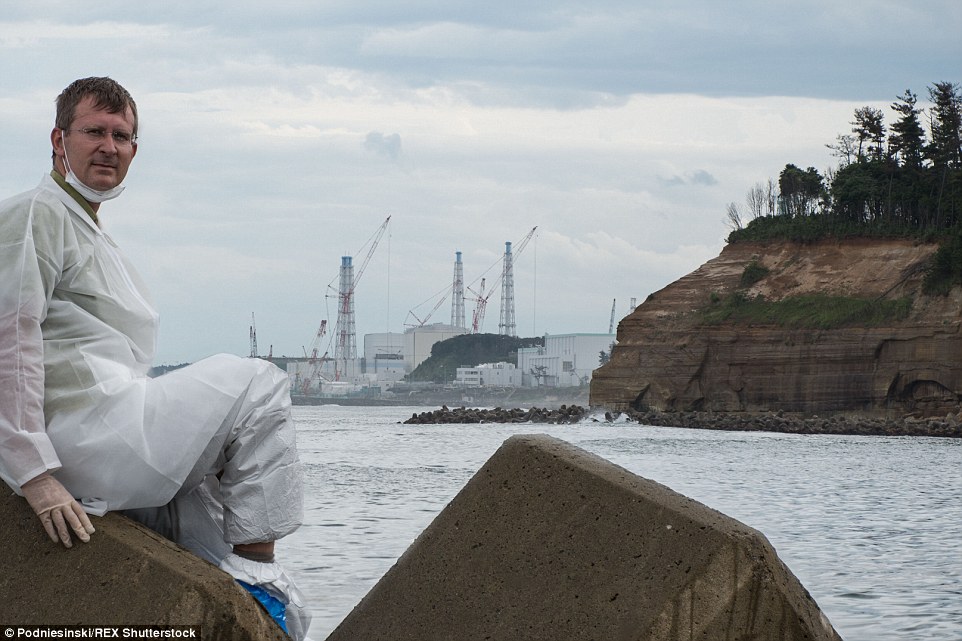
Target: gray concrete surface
x=547, y=541
x=126, y=575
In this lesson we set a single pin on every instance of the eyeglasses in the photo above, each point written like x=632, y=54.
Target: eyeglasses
x=97, y=134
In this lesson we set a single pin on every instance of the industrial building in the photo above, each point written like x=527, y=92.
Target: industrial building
x=566, y=360
x=391, y=356
x=489, y=375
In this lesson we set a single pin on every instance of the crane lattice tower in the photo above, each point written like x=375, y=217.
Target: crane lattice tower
x=253, y=337
x=345, y=348
x=507, y=325
x=457, y=293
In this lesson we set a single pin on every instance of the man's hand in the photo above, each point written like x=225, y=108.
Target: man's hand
x=57, y=509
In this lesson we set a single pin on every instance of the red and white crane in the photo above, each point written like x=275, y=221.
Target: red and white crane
x=345, y=334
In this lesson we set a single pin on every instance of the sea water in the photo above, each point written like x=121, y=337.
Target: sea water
x=872, y=526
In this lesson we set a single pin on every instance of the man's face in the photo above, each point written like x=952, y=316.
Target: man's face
x=100, y=162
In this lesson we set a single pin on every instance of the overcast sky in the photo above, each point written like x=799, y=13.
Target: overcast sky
x=277, y=137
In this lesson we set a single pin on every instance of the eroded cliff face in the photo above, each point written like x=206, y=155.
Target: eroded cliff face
x=668, y=359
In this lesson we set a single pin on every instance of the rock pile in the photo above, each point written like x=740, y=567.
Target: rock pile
x=948, y=426
x=564, y=414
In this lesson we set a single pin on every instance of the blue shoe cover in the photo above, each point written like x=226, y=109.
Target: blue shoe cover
x=271, y=603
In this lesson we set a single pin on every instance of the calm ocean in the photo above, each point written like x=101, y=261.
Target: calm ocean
x=872, y=526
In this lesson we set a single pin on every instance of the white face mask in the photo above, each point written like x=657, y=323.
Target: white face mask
x=90, y=194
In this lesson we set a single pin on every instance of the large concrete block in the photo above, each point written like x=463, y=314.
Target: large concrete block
x=126, y=575
x=548, y=541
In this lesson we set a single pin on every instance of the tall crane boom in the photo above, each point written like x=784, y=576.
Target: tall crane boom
x=611, y=323
x=370, y=252
x=316, y=362
x=477, y=318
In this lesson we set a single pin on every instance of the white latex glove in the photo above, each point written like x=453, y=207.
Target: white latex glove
x=57, y=509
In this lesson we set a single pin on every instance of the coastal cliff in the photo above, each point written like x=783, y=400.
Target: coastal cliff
x=674, y=354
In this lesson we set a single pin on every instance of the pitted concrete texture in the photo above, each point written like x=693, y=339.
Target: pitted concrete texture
x=126, y=575
x=548, y=541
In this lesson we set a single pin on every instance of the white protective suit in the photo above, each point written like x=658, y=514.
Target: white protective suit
x=77, y=335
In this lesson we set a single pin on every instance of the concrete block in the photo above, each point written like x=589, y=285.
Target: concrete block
x=126, y=575
x=548, y=541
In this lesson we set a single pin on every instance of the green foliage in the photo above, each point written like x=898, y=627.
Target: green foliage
x=754, y=272
x=945, y=149
x=945, y=272
x=808, y=229
x=810, y=311
x=907, y=140
x=801, y=191
x=902, y=186
x=469, y=350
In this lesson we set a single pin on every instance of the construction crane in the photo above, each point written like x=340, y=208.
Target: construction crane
x=481, y=299
x=611, y=323
x=345, y=347
x=315, y=362
x=477, y=317
x=439, y=299
x=457, y=303
x=253, y=334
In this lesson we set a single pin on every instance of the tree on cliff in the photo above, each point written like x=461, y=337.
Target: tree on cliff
x=869, y=129
x=910, y=186
x=801, y=191
x=945, y=149
x=907, y=137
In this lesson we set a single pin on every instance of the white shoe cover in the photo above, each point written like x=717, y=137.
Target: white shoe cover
x=271, y=577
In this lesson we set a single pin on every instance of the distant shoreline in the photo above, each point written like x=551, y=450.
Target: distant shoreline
x=778, y=422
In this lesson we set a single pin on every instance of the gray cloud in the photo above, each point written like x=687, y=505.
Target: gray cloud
x=389, y=146
x=267, y=119
x=702, y=177
x=698, y=177
x=566, y=54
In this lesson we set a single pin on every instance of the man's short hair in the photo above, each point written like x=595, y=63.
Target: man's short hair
x=106, y=92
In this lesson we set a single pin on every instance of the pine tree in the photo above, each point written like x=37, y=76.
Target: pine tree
x=869, y=128
x=945, y=149
x=907, y=140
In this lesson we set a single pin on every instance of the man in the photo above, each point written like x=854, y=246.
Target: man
x=204, y=455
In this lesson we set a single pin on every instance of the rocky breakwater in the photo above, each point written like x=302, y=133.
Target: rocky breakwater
x=563, y=414
x=671, y=356
x=949, y=426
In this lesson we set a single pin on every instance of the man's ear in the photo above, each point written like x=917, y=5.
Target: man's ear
x=59, y=150
x=56, y=141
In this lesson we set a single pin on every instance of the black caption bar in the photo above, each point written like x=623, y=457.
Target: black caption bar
x=99, y=632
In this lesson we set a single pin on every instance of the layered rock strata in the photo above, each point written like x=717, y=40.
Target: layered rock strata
x=667, y=358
